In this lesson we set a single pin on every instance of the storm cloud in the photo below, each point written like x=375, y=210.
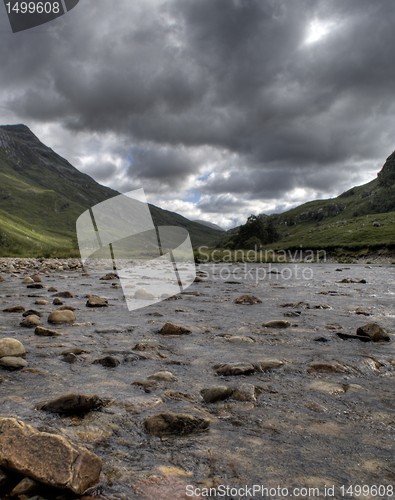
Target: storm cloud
x=218, y=108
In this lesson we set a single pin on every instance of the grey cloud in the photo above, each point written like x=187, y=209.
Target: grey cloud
x=169, y=77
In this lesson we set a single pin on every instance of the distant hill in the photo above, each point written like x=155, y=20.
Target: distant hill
x=363, y=216
x=42, y=195
x=209, y=224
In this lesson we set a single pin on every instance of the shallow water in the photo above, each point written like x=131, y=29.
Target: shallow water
x=305, y=429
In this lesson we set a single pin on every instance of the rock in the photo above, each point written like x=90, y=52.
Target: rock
x=36, y=278
x=178, y=424
x=12, y=363
x=237, y=339
x=172, y=329
x=58, y=317
x=37, y=286
x=11, y=347
x=2, y=279
x=57, y=301
x=52, y=289
x=164, y=376
x=142, y=294
x=217, y=393
x=326, y=367
x=41, y=302
x=31, y=321
x=28, y=280
x=74, y=350
x=265, y=365
x=96, y=301
x=64, y=295
x=66, y=308
x=30, y=312
x=73, y=404
x=292, y=314
x=109, y=277
x=232, y=369
x=46, y=332
x=245, y=392
x=277, y=323
x=108, y=362
x=374, y=331
x=331, y=388
x=14, y=309
x=362, y=312
x=47, y=458
x=147, y=385
x=25, y=487
x=69, y=358
x=247, y=299
x=347, y=336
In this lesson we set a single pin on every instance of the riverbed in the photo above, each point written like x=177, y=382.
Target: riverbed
x=323, y=417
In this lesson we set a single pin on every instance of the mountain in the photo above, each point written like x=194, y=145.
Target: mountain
x=42, y=195
x=363, y=216
x=209, y=224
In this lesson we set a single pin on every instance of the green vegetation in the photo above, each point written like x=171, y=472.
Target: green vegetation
x=361, y=220
x=42, y=195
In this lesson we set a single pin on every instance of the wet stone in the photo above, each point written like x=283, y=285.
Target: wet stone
x=57, y=301
x=277, y=323
x=326, y=367
x=245, y=392
x=234, y=369
x=48, y=458
x=178, y=424
x=172, y=329
x=72, y=404
x=217, y=393
x=46, y=332
x=362, y=312
x=109, y=277
x=37, y=286
x=41, y=302
x=32, y=312
x=374, y=331
x=107, y=362
x=268, y=364
x=11, y=347
x=64, y=295
x=14, y=309
x=247, y=300
x=12, y=363
x=31, y=321
x=142, y=294
x=59, y=317
x=163, y=376
x=96, y=301
x=147, y=385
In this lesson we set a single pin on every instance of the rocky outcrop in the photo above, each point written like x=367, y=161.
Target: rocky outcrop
x=48, y=458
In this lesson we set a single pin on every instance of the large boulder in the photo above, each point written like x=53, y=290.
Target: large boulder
x=48, y=458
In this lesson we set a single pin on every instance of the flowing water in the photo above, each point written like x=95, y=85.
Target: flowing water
x=301, y=427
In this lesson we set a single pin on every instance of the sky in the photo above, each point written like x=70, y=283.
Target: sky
x=217, y=108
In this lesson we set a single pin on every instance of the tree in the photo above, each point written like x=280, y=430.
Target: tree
x=258, y=230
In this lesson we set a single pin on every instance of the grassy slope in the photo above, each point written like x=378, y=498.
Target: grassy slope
x=42, y=195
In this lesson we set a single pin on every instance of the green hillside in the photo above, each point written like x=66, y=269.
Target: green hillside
x=362, y=217
x=42, y=195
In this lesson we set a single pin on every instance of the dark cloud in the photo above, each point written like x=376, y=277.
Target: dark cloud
x=233, y=77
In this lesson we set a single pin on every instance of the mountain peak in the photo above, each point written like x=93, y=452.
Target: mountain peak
x=386, y=175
